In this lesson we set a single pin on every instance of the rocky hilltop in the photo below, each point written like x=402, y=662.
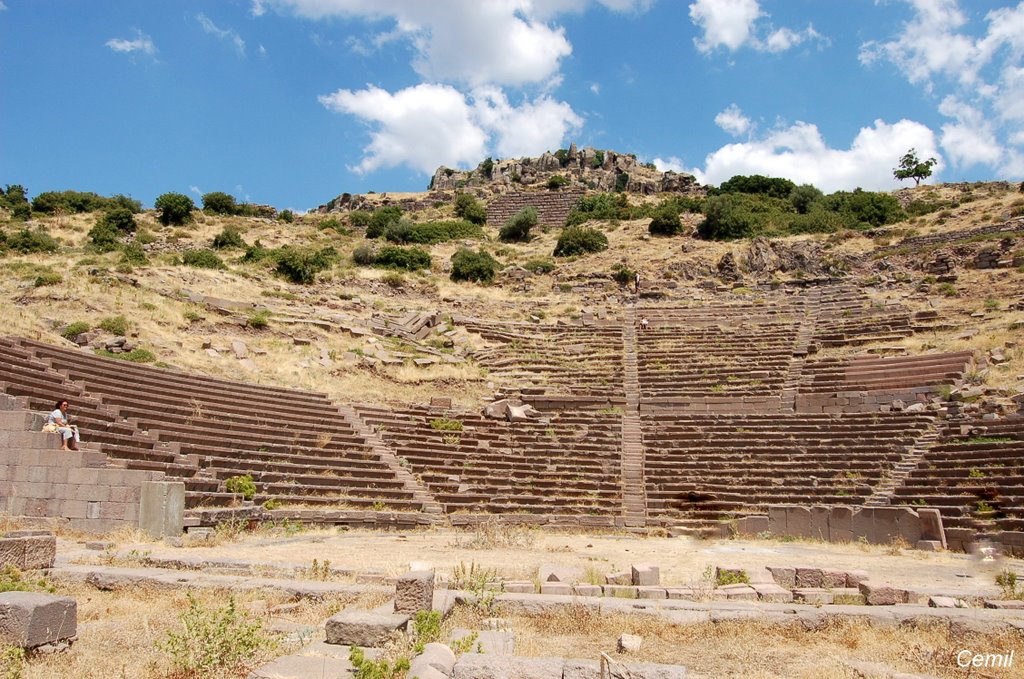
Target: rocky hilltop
x=586, y=168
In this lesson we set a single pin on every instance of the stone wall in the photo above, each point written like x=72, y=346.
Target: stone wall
x=862, y=401
x=76, y=486
x=552, y=206
x=876, y=525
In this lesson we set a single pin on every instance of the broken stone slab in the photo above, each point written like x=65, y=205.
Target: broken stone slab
x=772, y=593
x=240, y=349
x=414, y=592
x=556, y=573
x=477, y=666
x=812, y=595
x=438, y=656
x=488, y=642
x=945, y=602
x=621, y=578
x=364, y=628
x=809, y=577
x=591, y=669
x=28, y=550
x=30, y=619
x=785, y=576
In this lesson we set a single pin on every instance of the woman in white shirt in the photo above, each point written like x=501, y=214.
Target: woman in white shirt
x=58, y=421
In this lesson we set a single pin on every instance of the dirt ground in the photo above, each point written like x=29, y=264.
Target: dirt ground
x=681, y=560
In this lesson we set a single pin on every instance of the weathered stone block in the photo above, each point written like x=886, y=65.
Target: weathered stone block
x=832, y=579
x=438, y=656
x=777, y=520
x=847, y=596
x=364, y=628
x=30, y=619
x=629, y=643
x=753, y=525
x=591, y=669
x=931, y=525
x=798, y=522
x=620, y=578
x=645, y=575
x=882, y=594
x=908, y=525
x=587, y=590
x=162, y=508
x=819, y=523
x=620, y=591
x=520, y=587
x=885, y=526
x=555, y=588
x=652, y=593
x=809, y=577
x=862, y=524
x=840, y=525
x=414, y=592
x=476, y=666
x=785, y=576
x=812, y=595
x=772, y=593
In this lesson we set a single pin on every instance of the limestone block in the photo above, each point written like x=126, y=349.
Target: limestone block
x=591, y=669
x=629, y=643
x=645, y=575
x=855, y=577
x=832, y=579
x=621, y=591
x=364, y=628
x=652, y=593
x=476, y=666
x=929, y=545
x=293, y=666
x=885, y=526
x=812, y=595
x=438, y=656
x=753, y=525
x=819, y=523
x=414, y=591
x=798, y=522
x=862, y=523
x=555, y=588
x=30, y=619
x=419, y=670
x=908, y=524
x=520, y=587
x=777, y=520
x=587, y=590
x=162, y=508
x=621, y=578
x=882, y=594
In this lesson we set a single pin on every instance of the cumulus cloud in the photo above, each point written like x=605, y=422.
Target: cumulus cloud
x=2, y=6
x=978, y=76
x=674, y=164
x=733, y=121
x=221, y=33
x=733, y=24
x=141, y=43
x=800, y=153
x=429, y=125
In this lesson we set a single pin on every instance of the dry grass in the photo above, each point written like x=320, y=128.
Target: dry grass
x=749, y=649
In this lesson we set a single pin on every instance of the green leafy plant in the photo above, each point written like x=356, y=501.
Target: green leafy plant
x=48, y=278
x=75, y=329
x=579, y=240
x=286, y=216
x=301, y=265
x=214, y=639
x=445, y=424
x=517, y=228
x=377, y=669
x=219, y=203
x=557, y=181
x=137, y=355
x=202, y=259
x=228, y=238
x=364, y=255
x=665, y=222
x=175, y=208
x=724, y=577
x=13, y=580
x=477, y=266
x=243, y=485
x=469, y=208
x=622, y=274
x=540, y=266
x=115, y=325
x=408, y=259
x=28, y=242
x=258, y=320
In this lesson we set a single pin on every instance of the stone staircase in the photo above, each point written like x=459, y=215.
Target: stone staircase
x=634, y=500
x=801, y=348
x=884, y=492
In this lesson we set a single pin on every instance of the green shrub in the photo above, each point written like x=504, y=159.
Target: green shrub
x=302, y=266
x=74, y=329
x=404, y=231
x=604, y=206
x=202, y=259
x=376, y=669
x=258, y=320
x=15, y=199
x=727, y=217
x=622, y=274
x=409, y=259
x=127, y=202
x=115, y=325
x=381, y=219
x=13, y=580
x=364, y=255
x=27, y=242
x=144, y=237
x=214, y=641
x=243, y=485
x=104, y=238
x=776, y=187
x=121, y=219
x=469, y=208
x=360, y=218
x=557, y=181
x=138, y=355
x=665, y=222
x=51, y=202
x=723, y=578
x=228, y=238
x=286, y=216
x=539, y=266
x=579, y=240
x=175, y=208
x=818, y=220
x=517, y=228
x=621, y=182
x=477, y=266
x=133, y=255
x=334, y=224
x=598, y=159
x=393, y=279
x=803, y=197
x=48, y=278
x=257, y=253
x=219, y=203
x=865, y=209
x=487, y=167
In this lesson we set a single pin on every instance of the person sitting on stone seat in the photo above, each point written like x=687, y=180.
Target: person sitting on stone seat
x=57, y=421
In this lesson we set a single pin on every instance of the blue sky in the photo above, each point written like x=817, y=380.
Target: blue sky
x=291, y=102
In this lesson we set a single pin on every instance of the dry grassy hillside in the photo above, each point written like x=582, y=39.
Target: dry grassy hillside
x=319, y=337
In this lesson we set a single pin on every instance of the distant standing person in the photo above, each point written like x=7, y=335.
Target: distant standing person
x=636, y=282
x=57, y=421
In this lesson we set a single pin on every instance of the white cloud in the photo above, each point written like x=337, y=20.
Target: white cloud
x=972, y=139
x=733, y=121
x=733, y=24
x=726, y=23
x=222, y=33
x=799, y=153
x=674, y=164
x=2, y=6
x=195, y=189
x=429, y=125
x=142, y=43
x=528, y=129
x=595, y=88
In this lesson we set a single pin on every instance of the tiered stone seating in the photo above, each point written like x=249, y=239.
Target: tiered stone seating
x=732, y=358
x=699, y=468
x=845, y=316
x=868, y=382
x=566, y=359
x=978, y=462
x=296, y=445
x=23, y=374
x=567, y=463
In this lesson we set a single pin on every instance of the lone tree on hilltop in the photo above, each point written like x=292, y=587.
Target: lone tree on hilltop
x=913, y=168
